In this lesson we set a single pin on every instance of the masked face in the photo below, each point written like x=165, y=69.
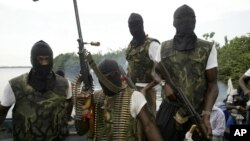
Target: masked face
x=42, y=59
x=111, y=71
x=136, y=28
x=135, y=24
x=184, y=20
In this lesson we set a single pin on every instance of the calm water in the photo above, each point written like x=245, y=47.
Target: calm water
x=8, y=73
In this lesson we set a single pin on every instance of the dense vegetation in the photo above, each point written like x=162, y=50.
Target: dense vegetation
x=233, y=59
x=69, y=62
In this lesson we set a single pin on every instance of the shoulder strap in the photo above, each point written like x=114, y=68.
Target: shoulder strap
x=153, y=39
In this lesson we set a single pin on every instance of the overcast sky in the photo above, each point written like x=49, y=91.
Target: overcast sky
x=23, y=22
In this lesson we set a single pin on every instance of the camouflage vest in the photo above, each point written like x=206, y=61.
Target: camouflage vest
x=187, y=69
x=39, y=116
x=139, y=63
x=113, y=120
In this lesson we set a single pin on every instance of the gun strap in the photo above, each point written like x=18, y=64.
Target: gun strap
x=101, y=77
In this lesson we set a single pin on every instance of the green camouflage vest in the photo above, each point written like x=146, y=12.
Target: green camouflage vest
x=187, y=69
x=39, y=116
x=139, y=63
x=113, y=120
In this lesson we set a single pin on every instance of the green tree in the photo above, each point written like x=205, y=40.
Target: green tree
x=70, y=64
x=233, y=59
x=209, y=37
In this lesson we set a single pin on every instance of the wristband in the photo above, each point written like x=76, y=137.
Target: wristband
x=163, y=83
x=205, y=113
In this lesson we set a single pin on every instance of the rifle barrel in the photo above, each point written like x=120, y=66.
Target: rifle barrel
x=78, y=20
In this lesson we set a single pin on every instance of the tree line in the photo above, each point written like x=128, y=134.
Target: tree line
x=70, y=63
x=233, y=59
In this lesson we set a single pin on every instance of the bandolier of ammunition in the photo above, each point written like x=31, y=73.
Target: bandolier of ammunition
x=78, y=103
x=115, y=117
x=99, y=117
x=112, y=122
x=87, y=115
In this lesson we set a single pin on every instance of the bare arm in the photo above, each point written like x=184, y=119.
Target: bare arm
x=158, y=78
x=212, y=91
x=3, y=112
x=210, y=97
x=242, y=82
x=148, y=87
x=231, y=106
x=149, y=125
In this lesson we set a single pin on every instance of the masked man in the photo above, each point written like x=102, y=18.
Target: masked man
x=118, y=108
x=141, y=55
x=39, y=98
x=192, y=65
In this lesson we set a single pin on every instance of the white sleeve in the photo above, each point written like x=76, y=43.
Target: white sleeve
x=154, y=51
x=230, y=99
x=212, y=59
x=230, y=96
x=137, y=102
x=69, y=93
x=247, y=73
x=8, y=97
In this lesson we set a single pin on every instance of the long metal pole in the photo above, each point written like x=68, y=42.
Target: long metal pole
x=80, y=40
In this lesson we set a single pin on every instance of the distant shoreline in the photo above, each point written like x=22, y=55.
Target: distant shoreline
x=3, y=67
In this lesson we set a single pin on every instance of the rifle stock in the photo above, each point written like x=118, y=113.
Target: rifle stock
x=181, y=97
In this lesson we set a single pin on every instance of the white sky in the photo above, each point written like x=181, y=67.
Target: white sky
x=23, y=22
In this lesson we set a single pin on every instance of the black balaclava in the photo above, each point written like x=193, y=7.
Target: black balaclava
x=111, y=70
x=135, y=24
x=184, y=22
x=41, y=77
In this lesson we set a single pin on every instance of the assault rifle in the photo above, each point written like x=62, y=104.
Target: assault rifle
x=83, y=121
x=84, y=72
x=187, y=106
